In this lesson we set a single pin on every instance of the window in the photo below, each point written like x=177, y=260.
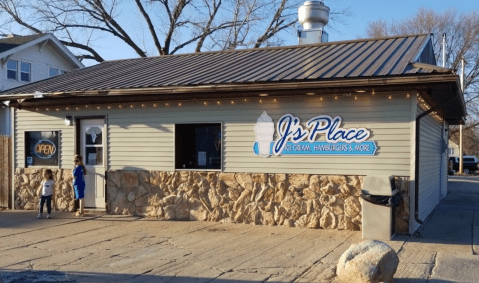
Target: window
x=12, y=69
x=54, y=72
x=93, y=145
x=198, y=146
x=25, y=70
x=41, y=148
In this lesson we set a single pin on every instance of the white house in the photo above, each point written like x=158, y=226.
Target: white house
x=26, y=59
x=453, y=148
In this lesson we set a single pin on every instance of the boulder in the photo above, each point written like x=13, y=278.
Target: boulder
x=368, y=261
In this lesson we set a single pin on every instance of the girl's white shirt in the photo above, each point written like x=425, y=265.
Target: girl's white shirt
x=47, y=187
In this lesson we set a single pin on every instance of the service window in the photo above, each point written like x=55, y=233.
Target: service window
x=41, y=148
x=198, y=146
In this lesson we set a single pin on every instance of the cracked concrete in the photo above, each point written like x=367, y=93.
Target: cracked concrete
x=108, y=248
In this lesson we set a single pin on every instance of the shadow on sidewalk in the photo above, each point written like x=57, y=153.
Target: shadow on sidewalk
x=34, y=276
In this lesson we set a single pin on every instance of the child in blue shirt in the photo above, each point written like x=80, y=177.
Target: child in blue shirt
x=79, y=180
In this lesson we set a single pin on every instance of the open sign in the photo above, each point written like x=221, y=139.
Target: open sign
x=45, y=149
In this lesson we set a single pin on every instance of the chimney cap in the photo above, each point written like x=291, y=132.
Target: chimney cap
x=313, y=14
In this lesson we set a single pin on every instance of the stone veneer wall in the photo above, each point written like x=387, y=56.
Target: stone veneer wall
x=28, y=180
x=314, y=201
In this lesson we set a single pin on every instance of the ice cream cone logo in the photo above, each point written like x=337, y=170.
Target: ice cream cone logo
x=264, y=130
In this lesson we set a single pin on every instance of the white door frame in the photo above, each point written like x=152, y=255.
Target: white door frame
x=95, y=176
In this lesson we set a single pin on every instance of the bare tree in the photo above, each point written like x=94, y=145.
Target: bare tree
x=169, y=25
x=462, y=32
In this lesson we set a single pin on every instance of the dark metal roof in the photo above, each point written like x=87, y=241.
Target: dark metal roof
x=390, y=56
x=8, y=43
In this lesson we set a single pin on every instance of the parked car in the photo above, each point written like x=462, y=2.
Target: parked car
x=470, y=164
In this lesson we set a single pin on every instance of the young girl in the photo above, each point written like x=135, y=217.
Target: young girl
x=46, y=193
x=79, y=180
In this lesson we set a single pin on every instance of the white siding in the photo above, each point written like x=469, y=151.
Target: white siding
x=143, y=138
x=40, y=62
x=431, y=165
x=44, y=121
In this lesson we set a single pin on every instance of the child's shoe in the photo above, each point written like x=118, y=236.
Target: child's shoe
x=49, y=216
x=39, y=216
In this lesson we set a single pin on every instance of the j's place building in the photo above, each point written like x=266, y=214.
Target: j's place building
x=328, y=135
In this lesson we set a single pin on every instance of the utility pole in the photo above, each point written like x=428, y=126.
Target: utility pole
x=444, y=50
x=461, y=127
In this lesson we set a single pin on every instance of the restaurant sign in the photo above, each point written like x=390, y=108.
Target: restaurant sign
x=293, y=139
x=41, y=148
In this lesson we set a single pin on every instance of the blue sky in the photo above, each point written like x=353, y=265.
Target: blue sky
x=366, y=10
x=363, y=11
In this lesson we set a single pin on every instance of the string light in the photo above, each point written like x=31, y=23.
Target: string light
x=421, y=102
x=37, y=109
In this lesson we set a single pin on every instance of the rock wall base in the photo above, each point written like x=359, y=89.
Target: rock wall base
x=295, y=200
x=27, y=181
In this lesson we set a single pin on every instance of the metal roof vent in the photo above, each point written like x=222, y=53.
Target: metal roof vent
x=313, y=16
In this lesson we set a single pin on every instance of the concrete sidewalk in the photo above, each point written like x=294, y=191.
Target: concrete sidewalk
x=107, y=248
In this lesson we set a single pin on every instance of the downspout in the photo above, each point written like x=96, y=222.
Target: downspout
x=416, y=171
